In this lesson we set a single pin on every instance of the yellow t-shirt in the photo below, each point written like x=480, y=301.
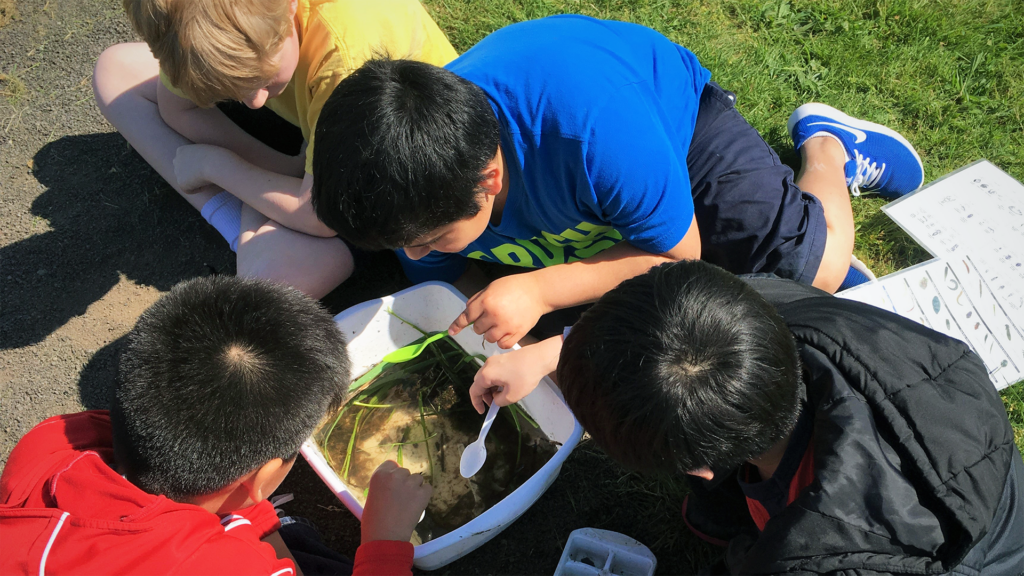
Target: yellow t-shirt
x=335, y=38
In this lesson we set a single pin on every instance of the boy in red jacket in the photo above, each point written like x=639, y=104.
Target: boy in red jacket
x=221, y=382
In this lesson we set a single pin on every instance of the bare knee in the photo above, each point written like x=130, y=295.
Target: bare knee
x=312, y=265
x=120, y=69
x=313, y=281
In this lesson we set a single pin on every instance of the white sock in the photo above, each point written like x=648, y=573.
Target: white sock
x=832, y=136
x=224, y=212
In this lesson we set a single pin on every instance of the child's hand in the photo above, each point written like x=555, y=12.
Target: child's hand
x=508, y=378
x=190, y=163
x=504, y=311
x=394, y=504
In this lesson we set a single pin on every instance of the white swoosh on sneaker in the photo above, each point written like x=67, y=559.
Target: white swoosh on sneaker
x=859, y=134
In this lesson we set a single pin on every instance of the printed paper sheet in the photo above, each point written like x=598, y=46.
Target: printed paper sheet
x=973, y=221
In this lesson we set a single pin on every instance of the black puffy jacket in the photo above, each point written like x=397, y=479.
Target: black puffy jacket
x=916, y=471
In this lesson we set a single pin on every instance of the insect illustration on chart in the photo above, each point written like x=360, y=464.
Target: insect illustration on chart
x=1001, y=365
x=951, y=283
x=915, y=308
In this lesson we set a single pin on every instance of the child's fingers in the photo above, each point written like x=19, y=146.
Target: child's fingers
x=508, y=341
x=476, y=394
x=495, y=334
x=424, y=491
x=478, y=402
x=472, y=313
x=484, y=323
x=480, y=392
x=386, y=466
x=461, y=322
x=502, y=397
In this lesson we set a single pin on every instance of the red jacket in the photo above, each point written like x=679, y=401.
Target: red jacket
x=64, y=510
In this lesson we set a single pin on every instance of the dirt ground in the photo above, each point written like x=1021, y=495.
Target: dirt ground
x=91, y=236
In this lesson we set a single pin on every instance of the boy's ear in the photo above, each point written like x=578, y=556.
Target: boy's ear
x=262, y=482
x=250, y=489
x=493, y=175
x=704, y=473
x=293, y=7
x=231, y=497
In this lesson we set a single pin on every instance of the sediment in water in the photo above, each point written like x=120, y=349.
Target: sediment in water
x=419, y=414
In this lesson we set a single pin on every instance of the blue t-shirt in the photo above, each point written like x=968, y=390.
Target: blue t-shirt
x=596, y=120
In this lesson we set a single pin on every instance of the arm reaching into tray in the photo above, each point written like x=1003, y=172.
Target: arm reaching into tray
x=508, y=378
x=394, y=505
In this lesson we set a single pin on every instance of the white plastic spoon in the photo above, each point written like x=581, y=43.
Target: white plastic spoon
x=475, y=454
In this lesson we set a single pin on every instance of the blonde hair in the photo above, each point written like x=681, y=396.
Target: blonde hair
x=213, y=50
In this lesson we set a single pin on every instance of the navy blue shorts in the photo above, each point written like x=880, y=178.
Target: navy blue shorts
x=307, y=546
x=752, y=216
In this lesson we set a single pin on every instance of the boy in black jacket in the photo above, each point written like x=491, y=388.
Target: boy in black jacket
x=830, y=436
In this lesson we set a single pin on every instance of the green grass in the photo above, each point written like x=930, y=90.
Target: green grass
x=947, y=74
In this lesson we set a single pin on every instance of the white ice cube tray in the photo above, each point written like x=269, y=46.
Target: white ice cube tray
x=593, y=552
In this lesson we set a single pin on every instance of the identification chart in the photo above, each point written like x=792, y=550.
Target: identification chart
x=972, y=221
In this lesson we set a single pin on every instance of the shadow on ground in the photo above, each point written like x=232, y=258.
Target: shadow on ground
x=378, y=276
x=96, y=381
x=109, y=215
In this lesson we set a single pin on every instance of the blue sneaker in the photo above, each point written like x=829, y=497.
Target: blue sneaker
x=857, y=274
x=878, y=158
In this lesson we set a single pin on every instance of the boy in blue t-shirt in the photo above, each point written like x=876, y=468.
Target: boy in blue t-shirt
x=587, y=151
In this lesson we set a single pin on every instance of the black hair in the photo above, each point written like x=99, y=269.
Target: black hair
x=400, y=148
x=219, y=377
x=682, y=368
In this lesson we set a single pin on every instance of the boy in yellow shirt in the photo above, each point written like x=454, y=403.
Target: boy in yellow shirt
x=285, y=54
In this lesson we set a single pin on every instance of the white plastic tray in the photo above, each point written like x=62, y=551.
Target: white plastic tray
x=372, y=332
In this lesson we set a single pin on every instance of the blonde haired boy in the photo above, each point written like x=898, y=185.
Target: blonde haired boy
x=287, y=55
